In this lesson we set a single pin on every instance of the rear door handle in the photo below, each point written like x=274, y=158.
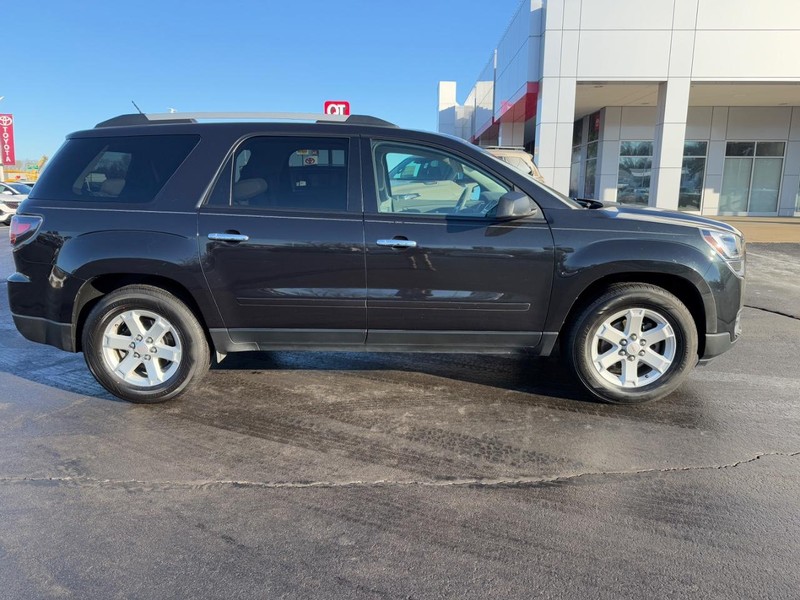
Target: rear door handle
x=398, y=243
x=228, y=237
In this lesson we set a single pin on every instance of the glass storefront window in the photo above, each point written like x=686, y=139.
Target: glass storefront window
x=589, y=177
x=770, y=149
x=635, y=164
x=575, y=172
x=575, y=165
x=752, y=177
x=735, y=184
x=594, y=126
x=797, y=202
x=636, y=149
x=574, y=179
x=766, y=185
x=695, y=148
x=590, y=172
x=692, y=173
x=577, y=133
x=740, y=149
x=591, y=167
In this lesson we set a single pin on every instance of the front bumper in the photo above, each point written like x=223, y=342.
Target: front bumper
x=716, y=344
x=719, y=343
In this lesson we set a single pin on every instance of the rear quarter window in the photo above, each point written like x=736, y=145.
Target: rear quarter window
x=130, y=169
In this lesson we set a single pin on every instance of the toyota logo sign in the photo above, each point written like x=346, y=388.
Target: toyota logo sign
x=7, y=140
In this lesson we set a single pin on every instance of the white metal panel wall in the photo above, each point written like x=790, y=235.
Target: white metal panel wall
x=747, y=55
x=759, y=123
x=638, y=123
x=747, y=14
x=518, y=54
x=639, y=55
x=698, y=123
x=613, y=15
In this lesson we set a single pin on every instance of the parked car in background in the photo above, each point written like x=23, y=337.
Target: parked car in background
x=518, y=158
x=21, y=186
x=11, y=196
x=154, y=244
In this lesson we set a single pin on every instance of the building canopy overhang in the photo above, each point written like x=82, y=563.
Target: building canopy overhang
x=591, y=96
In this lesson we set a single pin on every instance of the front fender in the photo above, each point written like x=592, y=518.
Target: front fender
x=579, y=268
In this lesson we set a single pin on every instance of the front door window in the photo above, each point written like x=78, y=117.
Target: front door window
x=413, y=179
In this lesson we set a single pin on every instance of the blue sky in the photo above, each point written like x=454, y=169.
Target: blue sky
x=75, y=63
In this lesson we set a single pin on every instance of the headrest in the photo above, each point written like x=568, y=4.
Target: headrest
x=112, y=187
x=248, y=188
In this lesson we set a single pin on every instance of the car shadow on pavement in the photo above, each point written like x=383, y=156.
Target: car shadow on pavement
x=519, y=379
x=543, y=377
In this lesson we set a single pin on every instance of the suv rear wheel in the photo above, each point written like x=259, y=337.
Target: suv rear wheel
x=633, y=344
x=144, y=345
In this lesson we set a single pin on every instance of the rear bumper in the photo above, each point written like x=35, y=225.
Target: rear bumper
x=45, y=331
x=43, y=313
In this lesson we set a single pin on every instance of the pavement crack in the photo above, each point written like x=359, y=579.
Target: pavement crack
x=774, y=312
x=141, y=485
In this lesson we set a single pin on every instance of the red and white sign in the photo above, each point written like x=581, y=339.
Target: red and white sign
x=337, y=107
x=7, y=140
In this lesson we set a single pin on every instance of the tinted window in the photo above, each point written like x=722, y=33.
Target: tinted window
x=122, y=169
x=286, y=173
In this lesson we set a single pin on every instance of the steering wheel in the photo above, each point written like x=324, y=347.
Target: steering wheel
x=465, y=195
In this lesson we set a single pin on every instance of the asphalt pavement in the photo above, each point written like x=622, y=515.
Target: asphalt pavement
x=346, y=475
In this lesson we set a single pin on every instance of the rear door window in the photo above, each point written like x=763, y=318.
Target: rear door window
x=284, y=173
x=129, y=169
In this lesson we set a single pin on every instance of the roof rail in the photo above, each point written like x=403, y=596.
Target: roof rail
x=135, y=119
x=365, y=120
x=163, y=118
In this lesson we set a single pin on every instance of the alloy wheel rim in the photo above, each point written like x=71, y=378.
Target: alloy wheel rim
x=141, y=348
x=633, y=348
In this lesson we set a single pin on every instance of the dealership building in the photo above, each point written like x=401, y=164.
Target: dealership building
x=682, y=104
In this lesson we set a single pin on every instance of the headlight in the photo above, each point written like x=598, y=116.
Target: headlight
x=728, y=246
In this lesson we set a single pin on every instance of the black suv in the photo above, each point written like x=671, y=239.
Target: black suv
x=154, y=244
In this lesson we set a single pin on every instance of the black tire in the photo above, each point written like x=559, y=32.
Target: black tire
x=580, y=340
x=186, y=333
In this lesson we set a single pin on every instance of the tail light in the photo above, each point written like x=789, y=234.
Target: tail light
x=23, y=227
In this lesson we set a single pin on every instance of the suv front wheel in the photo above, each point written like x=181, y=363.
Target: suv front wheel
x=144, y=345
x=633, y=344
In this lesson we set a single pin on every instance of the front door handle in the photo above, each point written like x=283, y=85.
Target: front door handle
x=398, y=243
x=228, y=237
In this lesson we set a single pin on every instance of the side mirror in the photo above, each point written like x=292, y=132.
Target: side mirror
x=515, y=205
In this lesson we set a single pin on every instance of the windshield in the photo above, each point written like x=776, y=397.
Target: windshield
x=530, y=177
x=20, y=187
x=519, y=163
